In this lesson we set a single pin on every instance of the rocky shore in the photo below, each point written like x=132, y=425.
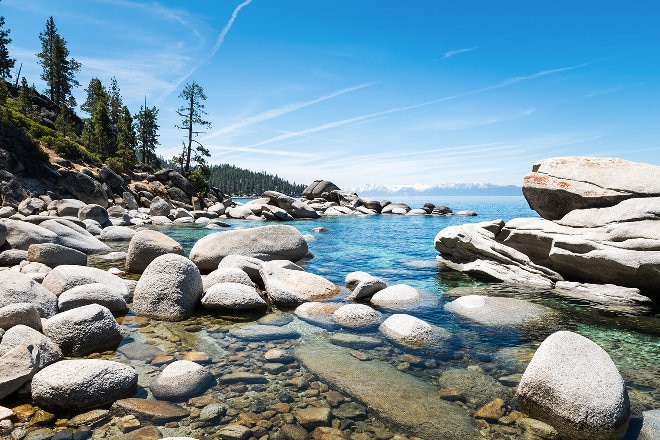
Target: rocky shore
x=279, y=353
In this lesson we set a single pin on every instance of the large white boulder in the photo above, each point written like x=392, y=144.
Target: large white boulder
x=146, y=245
x=82, y=384
x=84, y=330
x=397, y=296
x=74, y=236
x=288, y=287
x=227, y=275
x=20, y=235
x=49, y=351
x=66, y=277
x=52, y=255
x=357, y=316
x=181, y=380
x=572, y=384
x=94, y=293
x=233, y=296
x=276, y=242
x=19, y=313
x=170, y=288
x=17, y=367
x=559, y=185
x=413, y=332
x=16, y=287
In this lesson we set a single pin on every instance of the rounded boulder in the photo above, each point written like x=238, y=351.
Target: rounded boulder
x=233, y=296
x=84, y=330
x=53, y=255
x=276, y=242
x=572, y=384
x=169, y=289
x=65, y=277
x=16, y=287
x=145, y=246
x=82, y=384
x=49, y=351
x=94, y=293
x=357, y=316
x=181, y=380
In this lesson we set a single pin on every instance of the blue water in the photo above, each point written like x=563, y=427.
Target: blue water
x=400, y=249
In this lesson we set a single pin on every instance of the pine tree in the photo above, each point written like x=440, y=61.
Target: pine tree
x=126, y=141
x=6, y=63
x=25, y=98
x=147, y=134
x=58, y=69
x=191, y=113
x=65, y=122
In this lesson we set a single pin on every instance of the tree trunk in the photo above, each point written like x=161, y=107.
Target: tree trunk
x=190, y=132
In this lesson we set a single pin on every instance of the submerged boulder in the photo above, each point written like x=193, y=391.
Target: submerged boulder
x=498, y=311
x=572, y=384
x=181, y=380
x=276, y=242
x=288, y=287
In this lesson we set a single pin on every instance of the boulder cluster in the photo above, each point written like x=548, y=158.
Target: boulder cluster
x=598, y=237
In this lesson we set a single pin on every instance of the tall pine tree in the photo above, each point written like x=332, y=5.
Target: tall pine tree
x=58, y=69
x=191, y=113
x=146, y=124
x=6, y=62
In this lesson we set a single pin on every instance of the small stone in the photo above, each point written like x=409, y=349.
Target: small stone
x=234, y=432
x=5, y=413
x=41, y=417
x=511, y=380
x=326, y=433
x=212, y=412
x=313, y=417
x=24, y=412
x=492, y=411
x=128, y=423
x=89, y=418
x=274, y=368
x=162, y=360
x=196, y=356
x=294, y=432
x=403, y=366
x=281, y=407
x=278, y=355
x=411, y=359
x=298, y=382
x=511, y=418
x=250, y=378
x=153, y=410
x=359, y=355
x=538, y=428
x=333, y=398
x=452, y=395
x=145, y=433
x=350, y=410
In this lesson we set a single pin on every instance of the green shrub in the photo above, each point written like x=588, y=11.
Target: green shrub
x=69, y=149
x=199, y=181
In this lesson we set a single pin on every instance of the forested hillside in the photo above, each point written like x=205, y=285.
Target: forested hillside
x=241, y=182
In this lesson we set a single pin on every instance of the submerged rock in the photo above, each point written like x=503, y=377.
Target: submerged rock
x=388, y=392
x=412, y=332
x=287, y=287
x=497, y=311
x=181, y=380
x=572, y=384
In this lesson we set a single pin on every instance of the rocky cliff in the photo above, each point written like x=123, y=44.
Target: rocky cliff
x=600, y=224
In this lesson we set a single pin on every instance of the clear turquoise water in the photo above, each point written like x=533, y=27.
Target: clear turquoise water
x=400, y=250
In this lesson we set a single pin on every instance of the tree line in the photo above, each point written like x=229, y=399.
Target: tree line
x=241, y=182
x=111, y=133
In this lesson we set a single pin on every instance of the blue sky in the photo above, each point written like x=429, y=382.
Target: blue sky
x=383, y=92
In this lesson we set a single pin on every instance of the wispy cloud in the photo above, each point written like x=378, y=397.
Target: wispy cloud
x=472, y=122
x=339, y=123
x=452, y=53
x=282, y=110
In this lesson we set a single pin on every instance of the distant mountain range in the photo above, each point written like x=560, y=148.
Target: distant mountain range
x=445, y=189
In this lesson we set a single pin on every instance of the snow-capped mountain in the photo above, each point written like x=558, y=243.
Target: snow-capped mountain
x=445, y=189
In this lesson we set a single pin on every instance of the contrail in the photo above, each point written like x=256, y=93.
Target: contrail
x=216, y=47
x=225, y=30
